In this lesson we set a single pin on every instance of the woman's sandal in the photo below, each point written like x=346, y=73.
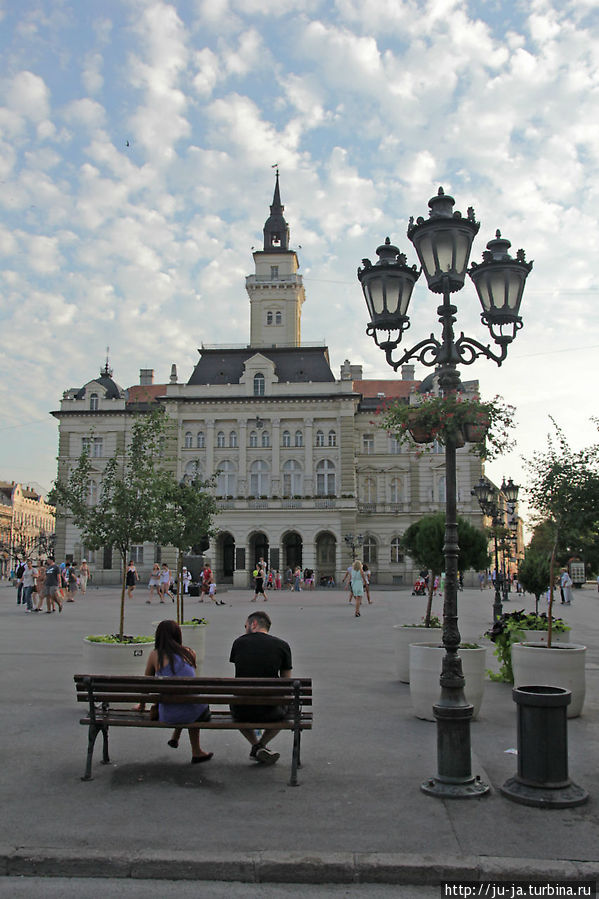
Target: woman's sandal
x=173, y=744
x=357, y=615
x=198, y=759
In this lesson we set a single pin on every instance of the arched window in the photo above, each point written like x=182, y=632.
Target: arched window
x=286, y=438
x=233, y=439
x=259, y=478
x=253, y=439
x=220, y=439
x=369, y=550
x=93, y=402
x=396, y=550
x=265, y=438
x=395, y=490
x=292, y=478
x=299, y=438
x=325, y=478
x=319, y=438
x=192, y=470
x=369, y=490
x=278, y=318
x=188, y=440
x=201, y=440
x=269, y=318
x=259, y=384
x=226, y=482
x=441, y=489
x=332, y=438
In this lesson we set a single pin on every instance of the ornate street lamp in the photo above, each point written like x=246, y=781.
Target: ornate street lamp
x=443, y=243
x=489, y=501
x=352, y=542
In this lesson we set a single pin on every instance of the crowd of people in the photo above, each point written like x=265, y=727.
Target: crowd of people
x=266, y=578
x=49, y=582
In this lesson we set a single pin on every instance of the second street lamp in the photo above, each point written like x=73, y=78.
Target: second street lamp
x=443, y=243
x=489, y=500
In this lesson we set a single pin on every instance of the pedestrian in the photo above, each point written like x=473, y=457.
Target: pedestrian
x=185, y=580
x=481, y=579
x=170, y=658
x=19, y=575
x=206, y=578
x=278, y=580
x=131, y=579
x=212, y=593
x=297, y=576
x=347, y=579
x=259, y=584
x=289, y=578
x=358, y=582
x=40, y=585
x=165, y=581
x=366, y=573
x=71, y=582
x=566, y=586
x=52, y=586
x=84, y=576
x=259, y=654
x=29, y=577
x=154, y=582
x=309, y=578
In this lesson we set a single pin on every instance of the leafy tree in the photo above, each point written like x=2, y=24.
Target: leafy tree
x=135, y=488
x=534, y=573
x=424, y=541
x=564, y=494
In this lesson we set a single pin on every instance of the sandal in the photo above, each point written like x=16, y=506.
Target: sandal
x=198, y=759
x=173, y=743
x=357, y=615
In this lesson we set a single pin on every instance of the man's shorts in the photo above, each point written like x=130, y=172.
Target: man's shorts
x=273, y=713
x=52, y=592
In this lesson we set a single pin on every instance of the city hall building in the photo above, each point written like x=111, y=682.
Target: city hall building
x=301, y=470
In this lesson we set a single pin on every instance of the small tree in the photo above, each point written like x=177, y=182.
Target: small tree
x=132, y=496
x=424, y=541
x=534, y=574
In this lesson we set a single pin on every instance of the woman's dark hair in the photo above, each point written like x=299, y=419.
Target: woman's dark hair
x=168, y=643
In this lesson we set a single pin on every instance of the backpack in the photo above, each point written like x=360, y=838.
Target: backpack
x=21, y=570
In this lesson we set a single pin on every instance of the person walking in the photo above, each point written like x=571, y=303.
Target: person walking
x=131, y=579
x=70, y=575
x=154, y=582
x=366, y=573
x=165, y=581
x=29, y=576
x=566, y=586
x=84, y=576
x=19, y=574
x=52, y=586
x=347, y=579
x=357, y=581
x=259, y=584
x=40, y=583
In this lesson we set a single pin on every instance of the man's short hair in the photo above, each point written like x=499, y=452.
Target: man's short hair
x=261, y=619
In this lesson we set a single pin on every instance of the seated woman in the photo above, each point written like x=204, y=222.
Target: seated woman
x=170, y=658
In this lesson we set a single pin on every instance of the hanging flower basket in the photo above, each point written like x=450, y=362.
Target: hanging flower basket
x=476, y=431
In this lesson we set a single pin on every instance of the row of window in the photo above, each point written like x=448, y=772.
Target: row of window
x=258, y=439
x=94, y=446
x=274, y=318
x=369, y=492
x=259, y=481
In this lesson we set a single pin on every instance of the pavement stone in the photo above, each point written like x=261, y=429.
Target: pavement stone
x=358, y=816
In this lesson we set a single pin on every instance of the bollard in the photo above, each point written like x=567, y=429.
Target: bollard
x=542, y=778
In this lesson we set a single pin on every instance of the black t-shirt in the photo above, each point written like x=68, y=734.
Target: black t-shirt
x=260, y=655
x=52, y=575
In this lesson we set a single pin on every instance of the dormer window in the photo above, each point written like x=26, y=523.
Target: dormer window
x=259, y=384
x=93, y=402
x=274, y=271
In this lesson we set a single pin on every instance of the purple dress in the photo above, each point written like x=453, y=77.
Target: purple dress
x=174, y=712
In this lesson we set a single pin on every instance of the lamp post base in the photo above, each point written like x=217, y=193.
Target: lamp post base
x=472, y=788
x=544, y=797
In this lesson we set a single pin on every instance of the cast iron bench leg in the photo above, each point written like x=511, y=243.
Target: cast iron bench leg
x=92, y=733
x=105, y=756
x=295, y=757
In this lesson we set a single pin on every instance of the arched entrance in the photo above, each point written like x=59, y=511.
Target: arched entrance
x=326, y=554
x=258, y=548
x=225, y=553
x=292, y=550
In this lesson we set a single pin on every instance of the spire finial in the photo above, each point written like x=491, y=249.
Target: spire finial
x=106, y=372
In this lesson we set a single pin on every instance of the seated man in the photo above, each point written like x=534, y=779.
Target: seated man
x=258, y=654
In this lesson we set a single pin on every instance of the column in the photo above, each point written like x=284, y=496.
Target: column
x=309, y=457
x=243, y=449
x=275, y=475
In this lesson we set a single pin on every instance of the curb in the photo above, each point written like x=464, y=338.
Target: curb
x=289, y=867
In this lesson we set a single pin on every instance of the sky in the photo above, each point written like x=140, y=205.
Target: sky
x=137, y=139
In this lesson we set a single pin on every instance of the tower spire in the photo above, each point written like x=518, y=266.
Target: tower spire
x=276, y=229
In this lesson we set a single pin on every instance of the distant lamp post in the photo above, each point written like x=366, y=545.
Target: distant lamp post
x=443, y=243
x=352, y=542
x=489, y=498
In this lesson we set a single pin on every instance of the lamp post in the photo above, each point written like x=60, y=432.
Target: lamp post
x=443, y=243
x=352, y=542
x=489, y=497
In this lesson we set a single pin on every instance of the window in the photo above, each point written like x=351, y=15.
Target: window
x=259, y=384
x=86, y=445
x=394, y=445
x=369, y=490
x=93, y=402
x=368, y=444
x=226, y=480
x=97, y=447
x=441, y=490
x=369, y=550
x=396, y=550
x=233, y=439
x=220, y=439
x=286, y=438
x=269, y=318
x=265, y=438
x=278, y=318
x=292, y=478
x=259, y=480
x=438, y=448
x=299, y=438
x=325, y=478
x=93, y=493
x=332, y=438
x=253, y=439
x=274, y=272
x=188, y=440
x=136, y=554
x=395, y=490
x=319, y=438
x=201, y=440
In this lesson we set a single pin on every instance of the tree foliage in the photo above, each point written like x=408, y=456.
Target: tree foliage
x=533, y=572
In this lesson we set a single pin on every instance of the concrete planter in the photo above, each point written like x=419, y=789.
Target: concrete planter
x=115, y=658
x=403, y=636
x=541, y=637
x=425, y=670
x=194, y=636
x=560, y=666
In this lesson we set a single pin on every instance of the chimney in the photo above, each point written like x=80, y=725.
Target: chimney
x=173, y=378
x=407, y=372
x=146, y=376
x=346, y=371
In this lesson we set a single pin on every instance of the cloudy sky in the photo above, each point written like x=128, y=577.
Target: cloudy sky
x=136, y=145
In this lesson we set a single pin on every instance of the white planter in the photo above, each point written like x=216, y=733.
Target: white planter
x=194, y=636
x=541, y=637
x=115, y=658
x=425, y=670
x=536, y=665
x=403, y=636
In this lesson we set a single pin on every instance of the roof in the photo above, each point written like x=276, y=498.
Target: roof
x=294, y=364
x=390, y=389
x=113, y=390
x=145, y=393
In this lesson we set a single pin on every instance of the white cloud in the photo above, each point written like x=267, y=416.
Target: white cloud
x=28, y=95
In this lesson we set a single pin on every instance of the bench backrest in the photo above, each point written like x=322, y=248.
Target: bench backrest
x=112, y=689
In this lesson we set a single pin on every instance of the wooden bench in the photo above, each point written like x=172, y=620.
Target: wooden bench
x=111, y=699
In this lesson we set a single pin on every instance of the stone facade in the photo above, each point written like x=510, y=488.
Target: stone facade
x=27, y=524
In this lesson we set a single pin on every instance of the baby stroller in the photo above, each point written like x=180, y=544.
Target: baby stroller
x=419, y=587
